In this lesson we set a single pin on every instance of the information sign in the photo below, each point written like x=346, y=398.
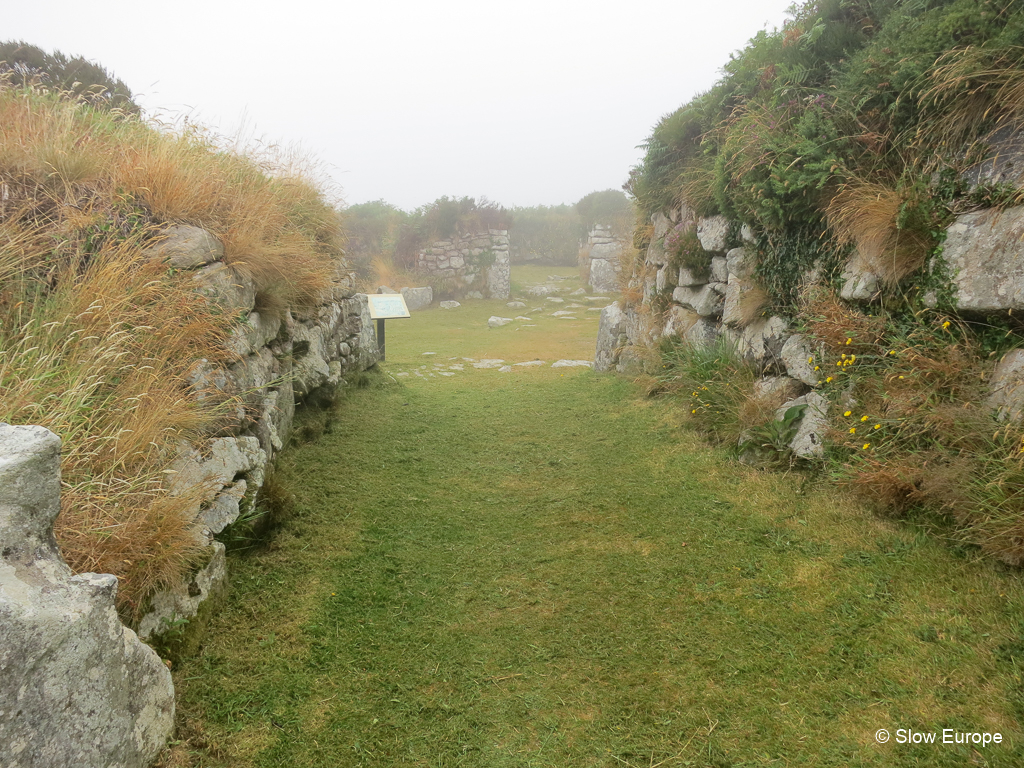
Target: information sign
x=385, y=306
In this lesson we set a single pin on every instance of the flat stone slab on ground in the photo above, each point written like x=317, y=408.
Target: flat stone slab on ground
x=530, y=362
x=573, y=364
x=555, y=299
x=496, y=322
x=515, y=304
x=450, y=304
x=561, y=313
x=489, y=363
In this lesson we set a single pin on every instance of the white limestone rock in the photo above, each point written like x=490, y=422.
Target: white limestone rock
x=860, y=283
x=604, y=274
x=741, y=262
x=573, y=364
x=497, y=322
x=800, y=359
x=452, y=304
x=703, y=334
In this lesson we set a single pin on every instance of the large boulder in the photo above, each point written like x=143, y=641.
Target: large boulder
x=77, y=687
x=418, y=298
x=984, y=253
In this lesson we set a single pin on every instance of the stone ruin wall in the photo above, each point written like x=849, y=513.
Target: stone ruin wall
x=600, y=259
x=60, y=637
x=984, y=252
x=466, y=259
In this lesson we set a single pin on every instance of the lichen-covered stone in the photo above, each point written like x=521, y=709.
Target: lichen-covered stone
x=185, y=247
x=1007, y=387
x=984, y=252
x=418, y=298
x=226, y=288
x=712, y=231
x=706, y=301
x=611, y=336
x=809, y=441
x=77, y=688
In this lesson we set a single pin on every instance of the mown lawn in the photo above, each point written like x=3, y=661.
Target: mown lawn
x=542, y=568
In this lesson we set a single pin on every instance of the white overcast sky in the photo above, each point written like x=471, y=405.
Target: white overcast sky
x=531, y=102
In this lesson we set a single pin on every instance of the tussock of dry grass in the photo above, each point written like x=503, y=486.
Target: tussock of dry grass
x=97, y=342
x=866, y=214
x=975, y=92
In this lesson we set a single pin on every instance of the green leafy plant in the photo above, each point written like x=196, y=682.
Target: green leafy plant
x=769, y=444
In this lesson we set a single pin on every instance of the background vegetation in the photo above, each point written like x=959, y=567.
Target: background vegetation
x=384, y=240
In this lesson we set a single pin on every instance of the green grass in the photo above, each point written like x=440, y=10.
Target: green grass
x=541, y=568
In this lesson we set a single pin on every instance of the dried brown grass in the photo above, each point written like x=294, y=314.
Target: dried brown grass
x=752, y=305
x=974, y=93
x=97, y=342
x=866, y=214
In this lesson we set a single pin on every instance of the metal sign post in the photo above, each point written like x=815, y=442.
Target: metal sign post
x=385, y=306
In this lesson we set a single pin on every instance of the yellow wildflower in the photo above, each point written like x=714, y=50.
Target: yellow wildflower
x=848, y=341
x=864, y=417
x=853, y=430
x=847, y=413
x=877, y=426
x=865, y=446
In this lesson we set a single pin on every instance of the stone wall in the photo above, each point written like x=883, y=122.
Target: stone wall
x=278, y=361
x=67, y=665
x=982, y=255
x=600, y=259
x=477, y=262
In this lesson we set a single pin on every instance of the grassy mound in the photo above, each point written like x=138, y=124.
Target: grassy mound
x=97, y=340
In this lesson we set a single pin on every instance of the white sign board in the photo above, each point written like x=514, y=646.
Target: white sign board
x=384, y=306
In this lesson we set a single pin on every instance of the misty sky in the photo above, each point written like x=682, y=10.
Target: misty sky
x=525, y=102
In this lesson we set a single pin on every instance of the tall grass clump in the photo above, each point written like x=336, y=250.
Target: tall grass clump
x=715, y=382
x=99, y=343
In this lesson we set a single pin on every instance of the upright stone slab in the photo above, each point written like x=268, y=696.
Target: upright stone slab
x=611, y=336
x=77, y=687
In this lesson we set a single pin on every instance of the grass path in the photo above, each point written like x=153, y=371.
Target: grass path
x=540, y=568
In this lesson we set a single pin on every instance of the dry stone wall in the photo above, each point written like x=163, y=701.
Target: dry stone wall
x=983, y=255
x=601, y=257
x=477, y=262
x=76, y=686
